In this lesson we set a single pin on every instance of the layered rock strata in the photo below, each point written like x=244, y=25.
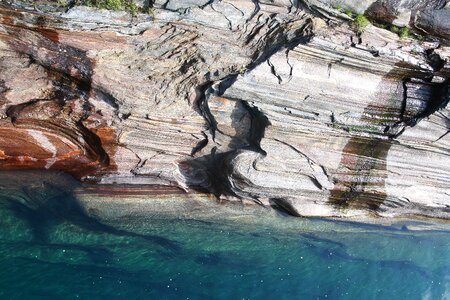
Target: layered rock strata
x=276, y=102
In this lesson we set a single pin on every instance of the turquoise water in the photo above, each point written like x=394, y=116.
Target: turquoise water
x=210, y=252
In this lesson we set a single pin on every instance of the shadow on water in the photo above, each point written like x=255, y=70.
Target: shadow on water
x=329, y=249
x=137, y=284
x=97, y=255
x=47, y=201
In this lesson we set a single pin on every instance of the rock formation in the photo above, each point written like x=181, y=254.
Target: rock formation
x=278, y=102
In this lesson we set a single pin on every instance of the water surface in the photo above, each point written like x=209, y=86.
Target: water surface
x=53, y=246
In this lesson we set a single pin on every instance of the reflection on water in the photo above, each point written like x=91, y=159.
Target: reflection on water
x=52, y=246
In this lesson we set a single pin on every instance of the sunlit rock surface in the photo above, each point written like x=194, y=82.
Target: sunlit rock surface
x=275, y=102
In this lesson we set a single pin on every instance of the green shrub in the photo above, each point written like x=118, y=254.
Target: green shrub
x=338, y=6
x=62, y=3
x=110, y=4
x=349, y=12
x=403, y=33
x=360, y=23
x=149, y=11
x=395, y=29
x=127, y=5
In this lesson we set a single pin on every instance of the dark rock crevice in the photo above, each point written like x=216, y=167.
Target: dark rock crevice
x=201, y=104
x=214, y=172
x=284, y=206
x=421, y=100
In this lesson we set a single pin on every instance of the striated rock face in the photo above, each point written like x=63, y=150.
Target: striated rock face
x=276, y=102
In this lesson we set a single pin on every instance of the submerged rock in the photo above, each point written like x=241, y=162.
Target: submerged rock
x=276, y=102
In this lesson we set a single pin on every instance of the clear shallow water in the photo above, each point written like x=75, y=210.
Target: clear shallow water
x=212, y=252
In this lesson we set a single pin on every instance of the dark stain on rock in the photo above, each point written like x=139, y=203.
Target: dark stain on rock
x=361, y=175
x=49, y=34
x=41, y=22
x=6, y=20
x=364, y=164
x=3, y=90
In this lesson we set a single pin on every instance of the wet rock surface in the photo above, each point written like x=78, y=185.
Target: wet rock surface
x=276, y=102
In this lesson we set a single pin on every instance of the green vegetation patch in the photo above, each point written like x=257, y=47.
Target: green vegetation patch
x=115, y=5
x=360, y=22
x=127, y=5
x=349, y=12
x=402, y=32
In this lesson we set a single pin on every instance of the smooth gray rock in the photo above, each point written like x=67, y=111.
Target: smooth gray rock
x=434, y=21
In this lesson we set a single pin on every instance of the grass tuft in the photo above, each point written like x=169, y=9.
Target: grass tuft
x=126, y=5
x=349, y=12
x=360, y=23
x=403, y=33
